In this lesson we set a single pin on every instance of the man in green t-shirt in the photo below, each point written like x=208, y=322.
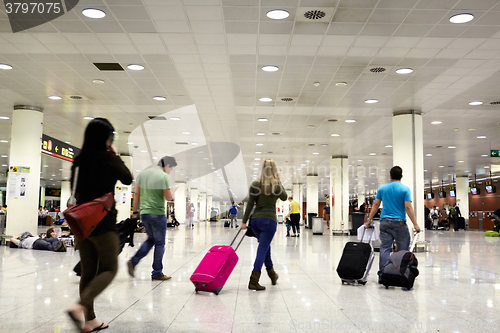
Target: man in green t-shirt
x=151, y=191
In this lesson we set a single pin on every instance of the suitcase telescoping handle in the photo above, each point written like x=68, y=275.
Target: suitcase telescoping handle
x=415, y=237
x=371, y=235
x=234, y=239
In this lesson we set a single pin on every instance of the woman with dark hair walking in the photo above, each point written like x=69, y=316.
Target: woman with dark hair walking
x=264, y=193
x=99, y=167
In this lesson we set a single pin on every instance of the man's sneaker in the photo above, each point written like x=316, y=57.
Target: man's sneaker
x=161, y=277
x=131, y=268
x=60, y=247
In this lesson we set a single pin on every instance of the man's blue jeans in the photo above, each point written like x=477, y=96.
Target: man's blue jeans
x=156, y=229
x=391, y=230
x=264, y=229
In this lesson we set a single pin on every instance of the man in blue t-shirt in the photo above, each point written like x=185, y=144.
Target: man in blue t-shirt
x=397, y=203
x=232, y=214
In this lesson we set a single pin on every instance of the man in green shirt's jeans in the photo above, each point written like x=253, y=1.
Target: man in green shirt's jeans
x=151, y=191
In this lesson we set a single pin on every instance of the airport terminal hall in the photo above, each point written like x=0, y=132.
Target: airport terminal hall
x=235, y=166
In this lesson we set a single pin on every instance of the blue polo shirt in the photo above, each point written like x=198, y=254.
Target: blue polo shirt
x=394, y=195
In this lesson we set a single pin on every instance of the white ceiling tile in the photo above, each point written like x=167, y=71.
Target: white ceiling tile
x=145, y=38
x=214, y=59
x=242, y=49
x=241, y=39
x=422, y=53
x=466, y=43
x=50, y=38
x=272, y=50
x=370, y=41
x=33, y=48
x=402, y=41
x=340, y=51
x=434, y=42
x=362, y=51
x=331, y=40
x=212, y=49
x=306, y=40
x=114, y=38
x=274, y=39
x=172, y=26
x=121, y=49
x=210, y=39
x=452, y=53
x=167, y=12
x=183, y=49
x=151, y=48
x=207, y=27
x=482, y=54
x=186, y=59
x=302, y=51
x=396, y=52
x=178, y=39
x=203, y=13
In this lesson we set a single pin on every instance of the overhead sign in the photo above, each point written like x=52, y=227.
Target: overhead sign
x=59, y=149
x=494, y=153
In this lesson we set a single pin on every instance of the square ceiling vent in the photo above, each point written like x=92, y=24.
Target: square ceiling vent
x=314, y=14
x=108, y=66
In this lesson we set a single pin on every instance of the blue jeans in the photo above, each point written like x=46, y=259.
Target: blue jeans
x=391, y=230
x=264, y=229
x=156, y=229
x=47, y=244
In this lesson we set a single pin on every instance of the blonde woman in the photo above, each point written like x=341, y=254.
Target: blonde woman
x=264, y=193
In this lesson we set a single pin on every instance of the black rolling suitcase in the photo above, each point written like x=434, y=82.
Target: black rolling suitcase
x=461, y=223
x=402, y=269
x=227, y=224
x=356, y=262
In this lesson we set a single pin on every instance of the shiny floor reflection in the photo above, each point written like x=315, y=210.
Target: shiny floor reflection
x=457, y=290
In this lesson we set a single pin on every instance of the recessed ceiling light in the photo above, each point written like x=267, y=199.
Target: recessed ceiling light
x=350, y=121
x=482, y=137
x=315, y=153
x=186, y=132
x=144, y=151
x=428, y=155
x=175, y=118
x=88, y=118
x=371, y=101
x=4, y=117
x=259, y=144
x=45, y=166
x=324, y=145
x=335, y=134
x=55, y=98
x=341, y=84
x=270, y=68
x=466, y=170
x=307, y=161
x=441, y=166
x=460, y=161
x=360, y=160
x=425, y=170
x=475, y=103
x=436, y=122
x=265, y=99
x=155, y=158
x=277, y=14
x=452, y=147
x=194, y=143
x=404, y=71
x=67, y=142
x=135, y=67
x=159, y=98
x=93, y=13
x=261, y=133
x=5, y=66
x=257, y=159
x=388, y=146
x=461, y=18
x=4, y=156
x=486, y=167
x=262, y=119
x=130, y=143
x=258, y=152
x=98, y=81
x=485, y=155
x=4, y=165
x=373, y=154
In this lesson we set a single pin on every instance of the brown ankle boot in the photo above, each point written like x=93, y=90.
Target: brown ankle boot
x=254, y=282
x=273, y=275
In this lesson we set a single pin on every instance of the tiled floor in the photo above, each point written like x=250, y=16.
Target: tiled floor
x=457, y=290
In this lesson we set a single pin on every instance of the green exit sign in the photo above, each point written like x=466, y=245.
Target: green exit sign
x=494, y=153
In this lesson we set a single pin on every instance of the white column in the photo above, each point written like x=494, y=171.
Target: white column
x=339, y=187
x=123, y=194
x=42, y=196
x=203, y=206
x=193, y=197
x=300, y=200
x=312, y=195
x=462, y=185
x=25, y=141
x=209, y=205
x=361, y=190
x=296, y=194
x=408, y=153
x=65, y=194
x=180, y=202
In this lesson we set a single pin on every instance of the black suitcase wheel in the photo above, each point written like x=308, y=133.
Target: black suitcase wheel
x=363, y=283
x=196, y=290
x=217, y=291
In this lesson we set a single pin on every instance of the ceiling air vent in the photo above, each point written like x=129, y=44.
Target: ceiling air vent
x=332, y=120
x=314, y=14
x=127, y=132
x=269, y=152
x=76, y=97
x=108, y=66
x=377, y=69
x=157, y=118
x=181, y=143
x=276, y=133
x=495, y=103
x=439, y=146
x=311, y=144
x=287, y=99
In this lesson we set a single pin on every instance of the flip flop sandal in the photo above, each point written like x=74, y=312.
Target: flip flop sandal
x=78, y=323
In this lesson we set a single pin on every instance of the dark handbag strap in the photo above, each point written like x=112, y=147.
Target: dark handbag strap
x=234, y=239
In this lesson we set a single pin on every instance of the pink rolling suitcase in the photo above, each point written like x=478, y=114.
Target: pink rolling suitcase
x=215, y=267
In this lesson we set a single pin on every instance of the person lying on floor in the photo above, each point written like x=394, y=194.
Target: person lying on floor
x=27, y=241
